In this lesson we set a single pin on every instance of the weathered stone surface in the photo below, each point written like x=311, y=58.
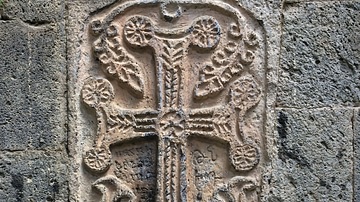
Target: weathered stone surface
x=47, y=86
x=33, y=78
x=320, y=55
x=34, y=176
x=170, y=101
x=34, y=12
x=356, y=125
x=14, y=105
x=33, y=86
x=177, y=92
x=315, y=156
x=91, y=6
x=33, y=112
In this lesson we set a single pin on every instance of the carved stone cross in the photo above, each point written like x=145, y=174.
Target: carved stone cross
x=154, y=160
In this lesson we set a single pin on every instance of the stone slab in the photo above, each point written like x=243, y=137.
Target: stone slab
x=33, y=80
x=33, y=86
x=47, y=85
x=14, y=60
x=34, y=176
x=315, y=156
x=202, y=166
x=320, y=55
x=34, y=12
x=356, y=124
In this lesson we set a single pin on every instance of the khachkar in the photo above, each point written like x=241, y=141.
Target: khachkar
x=195, y=72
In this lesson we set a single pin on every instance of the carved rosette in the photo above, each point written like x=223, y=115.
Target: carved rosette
x=138, y=31
x=245, y=93
x=194, y=144
x=97, y=159
x=97, y=92
x=205, y=32
x=244, y=157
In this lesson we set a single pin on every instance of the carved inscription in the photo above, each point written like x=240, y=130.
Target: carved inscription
x=203, y=141
x=135, y=164
x=207, y=168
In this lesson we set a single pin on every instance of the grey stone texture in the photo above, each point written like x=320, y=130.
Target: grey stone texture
x=35, y=12
x=33, y=111
x=356, y=125
x=304, y=1
x=318, y=88
x=36, y=176
x=33, y=78
x=315, y=156
x=320, y=56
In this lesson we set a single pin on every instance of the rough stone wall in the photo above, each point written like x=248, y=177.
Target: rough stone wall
x=312, y=99
x=317, y=102
x=33, y=93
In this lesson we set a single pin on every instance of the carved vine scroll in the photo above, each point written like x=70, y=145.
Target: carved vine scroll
x=203, y=139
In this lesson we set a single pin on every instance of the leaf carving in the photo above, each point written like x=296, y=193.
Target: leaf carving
x=214, y=77
x=171, y=58
x=227, y=63
x=129, y=74
x=120, y=123
x=117, y=62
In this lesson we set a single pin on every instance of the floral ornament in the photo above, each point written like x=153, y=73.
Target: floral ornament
x=99, y=46
x=220, y=58
x=231, y=47
x=96, y=92
x=245, y=93
x=117, y=62
x=96, y=27
x=251, y=39
x=111, y=31
x=97, y=160
x=235, y=30
x=206, y=32
x=138, y=31
x=244, y=157
x=172, y=123
x=247, y=57
x=225, y=56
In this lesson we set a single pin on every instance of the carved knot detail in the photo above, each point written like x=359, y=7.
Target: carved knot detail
x=172, y=124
